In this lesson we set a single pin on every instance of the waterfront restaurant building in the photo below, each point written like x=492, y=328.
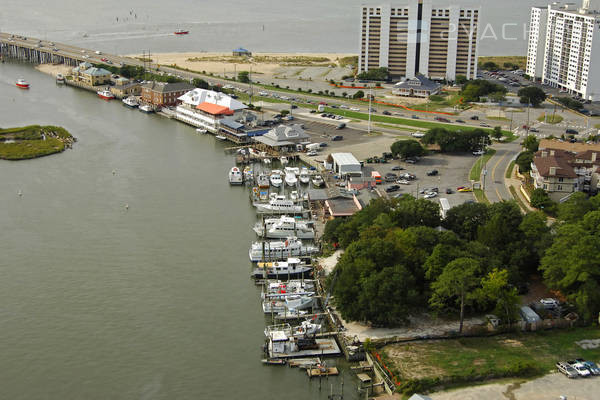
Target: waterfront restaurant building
x=284, y=138
x=207, y=109
x=164, y=94
x=418, y=37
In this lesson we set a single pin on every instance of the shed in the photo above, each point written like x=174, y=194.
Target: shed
x=346, y=164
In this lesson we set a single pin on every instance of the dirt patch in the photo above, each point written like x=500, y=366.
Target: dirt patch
x=405, y=358
x=512, y=343
x=479, y=362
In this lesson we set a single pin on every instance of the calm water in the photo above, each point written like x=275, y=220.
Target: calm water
x=100, y=302
x=260, y=25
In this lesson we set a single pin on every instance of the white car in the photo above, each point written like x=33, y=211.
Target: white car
x=478, y=152
x=312, y=153
x=98, y=52
x=263, y=93
x=354, y=109
x=403, y=182
x=344, y=106
x=430, y=195
x=549, y=303
x=581, y=369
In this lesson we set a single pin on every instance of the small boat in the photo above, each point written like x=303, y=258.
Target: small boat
x=22, y=83
x=283, y=160
x=146, y=109
x=199, y=130
x=304, y=177
x=290, y=179
x=221, y=137
x=262, y=180
x=130, y=102
x=60, y=78
x=293, y=268
x=181, y=32
x=266, y=161
x=280, y=250
x=248, y=174
x=105, y=94
x=279, y=205
x=282, y=227
x=294, y=195
x=235, y=176
x=275, y=178
x=274, y=361
x=318, y=181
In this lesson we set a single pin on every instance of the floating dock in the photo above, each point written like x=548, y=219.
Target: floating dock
x=324, y=347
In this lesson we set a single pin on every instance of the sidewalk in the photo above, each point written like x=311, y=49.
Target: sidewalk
x=516, y=183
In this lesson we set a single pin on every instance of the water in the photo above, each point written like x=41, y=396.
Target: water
x=152, y=302
x=259, y=25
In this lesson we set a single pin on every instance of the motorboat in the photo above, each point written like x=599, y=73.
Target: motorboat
x=290, y=179
x=181, y=32
x=131, y=102
x=318, y=181
x=199, y=130
x=221, y=138
x=22, y=83
x=235, y=176
x=279, y=205
x=146, y=109
x=283, y=160
x=262, y=180
x=280, y=250
x=248, y=174
x=275, y=178
x=293, y=268
x=266, y=160
x=292, y=303
x=283, y=227
x=294, y=195
x=105, y=94
x=304, y=177
x=60, y=78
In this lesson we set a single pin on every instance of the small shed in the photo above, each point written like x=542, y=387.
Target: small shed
x=241, y=52
x=346, y=164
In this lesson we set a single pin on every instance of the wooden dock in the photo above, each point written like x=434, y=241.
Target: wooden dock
x=316, y=372
x=325, y=347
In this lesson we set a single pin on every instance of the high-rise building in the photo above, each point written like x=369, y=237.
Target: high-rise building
x=417, y=38
x=562, y=51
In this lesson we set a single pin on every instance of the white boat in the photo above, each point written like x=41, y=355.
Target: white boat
x=293, y=268
x=146, y=109
x=235, y=176
x=294, y=170
x=318, y=181
x=283, y=227
x=280, y=250
x=304, y=177
x=278, y=290
x=283, y=160
x=290, y=179
x=262, y=180
x=22, y=83
x=292, y=303
x=266, y=161
x=199, y=130
x=294, y=195
x=306, y=328
x=276, y=178
x=131, y=102
x=60, y=78
x=279, y=205
x=221, y=137
x=105, y=94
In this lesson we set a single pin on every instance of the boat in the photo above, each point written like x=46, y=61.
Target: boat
x=199, y=130
x=248, y=174
x=266, y=160
x=262, y=180
x=293, y=268
x=276, y=178
x=235, y=176
x=294, y=195
x=221, y=137
x=181, y=32
x=279, y=290
x=131, y=102
x=290, y=179
x=279, y=205
x=282, y=227
x=60, y=78
x=318, y=181
x=22, y=83
x=273, y=361
x=283, y=160
x=105, y=94
x=293, y=303
x=280, y=250
x=146, y=108
x=304, y=177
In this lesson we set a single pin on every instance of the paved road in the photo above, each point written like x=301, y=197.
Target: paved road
x=495, y=189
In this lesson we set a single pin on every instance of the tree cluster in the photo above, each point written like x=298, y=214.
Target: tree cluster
x=531, y=95
x=407, y=148
x=474, y=90
x=457, y=141
x=570, y=103
x=377, y=74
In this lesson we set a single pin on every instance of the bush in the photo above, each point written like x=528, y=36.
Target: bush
x=358, y=95
x=378, y=74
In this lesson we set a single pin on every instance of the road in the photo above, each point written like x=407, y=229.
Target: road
x=494, y=188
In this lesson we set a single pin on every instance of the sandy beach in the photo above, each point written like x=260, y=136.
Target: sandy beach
x=52, y=69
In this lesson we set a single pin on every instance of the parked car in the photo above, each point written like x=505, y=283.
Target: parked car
x=403, y=182
x=549, y=303
x=386, y=112
x=389, y=177
x=478, y=152
x=397, y=168
x=341, y=126
x=534, y=130
x=410, y=161
x=392, y=188
x=323, y=144
x=580, y=368
x=475, y=118
x=312, y=153
x=433, y=172
x=566, y=369
x=571, y=132
x=483, y=124
x=589, y=365
x=429, y=195
x=442, y=119
x=464, y=189
x=449, y=191
x=460, y=121
x=415, y=116
x=337, y=138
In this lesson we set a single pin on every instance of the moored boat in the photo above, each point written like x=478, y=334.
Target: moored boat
x=146, y=109
x=276, y=178
x=130, y=102
x=181, y=32
x=22, y=83
x=235, y=176
x=293, y=268
x=280, y=250
x=279, y=205
x=105, y=94
x=290, y=178
x=283, y=160
x=262, y=180
x=282, y=227
x=304, y=177
x=318, y=181
x=221, y=138
x=60, y=78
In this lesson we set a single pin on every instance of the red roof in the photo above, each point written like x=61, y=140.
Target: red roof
x=214, y=109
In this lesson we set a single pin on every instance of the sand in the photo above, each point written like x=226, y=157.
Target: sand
x=52, y=69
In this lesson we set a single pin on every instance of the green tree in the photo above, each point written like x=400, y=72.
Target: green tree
x=456, y=284
x=540, y=199
x=284, y=112
x=497, y=133
x=461, y=79
x=490, y=66
x=524, y=161
x=200, y=83
x=358, y=95
x=497, y=97
x=466, y=218
x=496, y=289
x=531, y=95
x=531, y=143
x=377, y=74
x=407, y=148
x=243, y=76
x=575, y=208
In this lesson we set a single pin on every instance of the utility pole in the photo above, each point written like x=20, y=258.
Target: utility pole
x=370, y=97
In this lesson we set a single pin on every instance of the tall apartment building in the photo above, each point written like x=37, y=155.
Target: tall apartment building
x=567, y=54
x=417, y=38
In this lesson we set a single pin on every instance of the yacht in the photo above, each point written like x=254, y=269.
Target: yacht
x=304, y=177
x=279, y=205
x=105, y=94
x=318, y=181
x=235, y=176
x=283, y=160
x=290, y=178
x=280, y=250
x=60, y=78
x=131, y=102
x=146, y=109
x=262, y=180
x=275, y=178
x=293, y=268
x=283, y=227
x=294, y=196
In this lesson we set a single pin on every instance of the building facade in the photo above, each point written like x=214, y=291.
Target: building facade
x=419, y=86
x=207, y=109
x=562, y=51
x=164, y=94
x=418, y=38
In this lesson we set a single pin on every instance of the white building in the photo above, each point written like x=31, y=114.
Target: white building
x=346, y=164
x=437, y=42
x=207, y=109
x=567, y=54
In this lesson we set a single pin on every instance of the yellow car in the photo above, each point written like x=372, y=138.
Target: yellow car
x=464, y=189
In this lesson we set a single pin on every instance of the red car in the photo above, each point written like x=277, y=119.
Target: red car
x=104, y=59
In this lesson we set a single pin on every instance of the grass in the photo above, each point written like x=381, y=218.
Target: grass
x=552, y=119
x=516, y=196
x=499, y=118
x=509, y=170
x=32, y=141
x=480, y=358
x=475, y=173
x=521, y=61
x=480, y=196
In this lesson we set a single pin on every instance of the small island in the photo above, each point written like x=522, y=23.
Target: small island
x=33, y=141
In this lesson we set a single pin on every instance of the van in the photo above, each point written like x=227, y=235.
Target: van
x=320, y=108
x=377, y=176
x=98, y=52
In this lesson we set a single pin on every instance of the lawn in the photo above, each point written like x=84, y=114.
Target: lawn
x=32, y=141
x=509, y=170
x=475, y=173
x=480, y=196
x=480, y=358
x=552, y=119
x=521, y=61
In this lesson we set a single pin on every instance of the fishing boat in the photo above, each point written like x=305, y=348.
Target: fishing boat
x=105, y=94
x=181, y=32
x=60, y=78
x=145, y=108
x=295, y=303
x=235, y=176
x=22, y=83
x=283, y=227
x=130, y=102
x=280, y=250
x=293, y=268
x=279, y=205
x=273, y=361
x=283, y=160
x=304, y=177
x=275, y=178
x=262, y=180
x=290, y=179
x=318, y=181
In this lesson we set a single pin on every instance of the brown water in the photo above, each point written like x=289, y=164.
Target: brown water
x=152, y=302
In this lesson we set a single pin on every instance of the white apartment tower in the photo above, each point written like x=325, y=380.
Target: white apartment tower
x=417, y=38
x=562, y=50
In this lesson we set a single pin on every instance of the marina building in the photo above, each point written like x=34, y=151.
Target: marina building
x=562, y=50
x=210, y=110
x=284, y=138
x=419, y=38
x=346, y=164
x=90, y=75
x=164, y=94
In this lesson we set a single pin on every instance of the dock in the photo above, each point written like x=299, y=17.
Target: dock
x=324, y=347
x=316, y=372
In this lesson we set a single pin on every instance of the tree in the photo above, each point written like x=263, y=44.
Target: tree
x=456, y=283
x=531, y=143
x=200, y=83
x=461, y=79
x=497, y=133
x=377, y=74
x=284, y=112
x=243, y=77
x=358, y=95
x=531, y=95
x=524, y=161
x=490, y=66
x=540, y=199
x=497, y=97
x=466, y=218
x=407, y=148
x=575, y=208
x=496, y=288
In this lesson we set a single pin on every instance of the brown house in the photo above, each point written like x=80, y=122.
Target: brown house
x=164, y=94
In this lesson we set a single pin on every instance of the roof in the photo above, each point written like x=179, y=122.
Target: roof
x=284, y=135
x=345, y=159
x=214, y=109
x=419, y=82
x=317, y=194
x=341, y=206
x=94, y=71
x=557, y=159
x=241, y=50
x=164, y=87
x=563, y=145
x=197, y=96
x=85, y=65
x=231, y=124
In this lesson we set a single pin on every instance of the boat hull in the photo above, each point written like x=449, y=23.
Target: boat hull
x=22, y=85
x=260, y=273
x=105, y=97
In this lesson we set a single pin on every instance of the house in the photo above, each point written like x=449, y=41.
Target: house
x=346, y=164
x=419, y=86
x=210, y=110
x=123, y=87
x=284, y=138
x=551, y=171
x=164, y=94
x=91, y=75
x=241, y=52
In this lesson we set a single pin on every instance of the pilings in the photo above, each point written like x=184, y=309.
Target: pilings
x=34, y=54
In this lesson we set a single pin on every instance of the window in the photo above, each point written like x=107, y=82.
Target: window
x=560, y=179
x=559, y=187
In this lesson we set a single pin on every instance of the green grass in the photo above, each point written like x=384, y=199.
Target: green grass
x=480, y=196
x=475, y=173
x=552, y=119
x=508, y=173
x=480, y=358
x=516, y=196
x=28, y=141
x=521, y=61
